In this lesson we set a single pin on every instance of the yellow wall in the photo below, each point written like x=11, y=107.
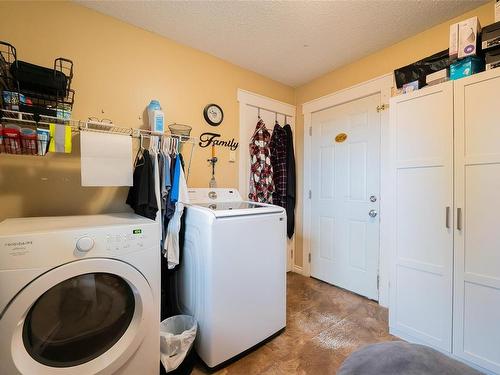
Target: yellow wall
x=118, y=69
x=385, y=61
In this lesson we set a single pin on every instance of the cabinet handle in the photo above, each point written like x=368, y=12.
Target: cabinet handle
x=447, y=217
x=459, y=218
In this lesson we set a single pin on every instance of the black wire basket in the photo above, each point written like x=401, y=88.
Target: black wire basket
x=25, y=140
x=34, y=89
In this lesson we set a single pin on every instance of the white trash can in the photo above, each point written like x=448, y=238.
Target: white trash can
x=177, y=335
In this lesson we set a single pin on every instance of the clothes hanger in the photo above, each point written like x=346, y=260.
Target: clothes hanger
x=162, y=142
x=153, y=143
x=140, y=152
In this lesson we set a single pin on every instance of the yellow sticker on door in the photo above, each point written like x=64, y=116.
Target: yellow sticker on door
x=341, y=137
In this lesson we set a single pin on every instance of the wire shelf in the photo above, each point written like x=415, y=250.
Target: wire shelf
x=22, y=147
x=9, y=116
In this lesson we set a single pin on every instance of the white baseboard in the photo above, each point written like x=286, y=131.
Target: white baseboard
x=298, y=269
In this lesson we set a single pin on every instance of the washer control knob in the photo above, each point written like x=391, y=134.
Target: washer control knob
x=85, y=244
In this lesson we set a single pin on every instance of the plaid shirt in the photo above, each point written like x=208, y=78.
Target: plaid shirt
x=277, y=147
x=261, y=170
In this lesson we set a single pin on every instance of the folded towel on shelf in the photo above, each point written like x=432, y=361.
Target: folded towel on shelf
x=60, y=138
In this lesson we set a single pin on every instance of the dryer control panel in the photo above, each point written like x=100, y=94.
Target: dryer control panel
x=56, y=247
x=125, y=241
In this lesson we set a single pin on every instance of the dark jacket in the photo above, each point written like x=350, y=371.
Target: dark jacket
x=291, y=185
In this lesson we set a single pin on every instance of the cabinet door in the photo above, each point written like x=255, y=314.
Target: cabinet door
x=421, y=277
x=477, y=233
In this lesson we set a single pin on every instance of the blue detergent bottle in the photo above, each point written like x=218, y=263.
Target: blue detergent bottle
x=156, y=116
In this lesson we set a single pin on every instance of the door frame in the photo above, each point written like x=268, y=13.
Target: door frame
x=381, y=85
x=247, y=98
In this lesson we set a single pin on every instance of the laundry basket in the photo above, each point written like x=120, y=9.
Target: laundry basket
x=177, y=335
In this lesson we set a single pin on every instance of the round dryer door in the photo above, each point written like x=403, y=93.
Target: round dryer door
x=66, y=319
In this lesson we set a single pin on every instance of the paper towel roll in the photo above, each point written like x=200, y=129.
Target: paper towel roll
x=106, y=159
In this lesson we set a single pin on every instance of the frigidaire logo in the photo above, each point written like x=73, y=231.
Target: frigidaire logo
x=20, y=243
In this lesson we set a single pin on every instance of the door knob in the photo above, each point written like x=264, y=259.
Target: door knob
x=372, y=213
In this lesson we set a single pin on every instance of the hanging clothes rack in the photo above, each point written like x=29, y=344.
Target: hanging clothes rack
x=269, y=110
x=30, y=119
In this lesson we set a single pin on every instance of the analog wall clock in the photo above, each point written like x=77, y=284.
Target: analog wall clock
x=213, y=114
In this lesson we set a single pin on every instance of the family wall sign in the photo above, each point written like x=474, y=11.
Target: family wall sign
x=213, y=139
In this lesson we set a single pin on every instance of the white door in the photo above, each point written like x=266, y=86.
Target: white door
x=345, y=192
x=421, y=277
x=477, y=234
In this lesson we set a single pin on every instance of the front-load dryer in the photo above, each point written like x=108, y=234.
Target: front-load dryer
x=79, y=295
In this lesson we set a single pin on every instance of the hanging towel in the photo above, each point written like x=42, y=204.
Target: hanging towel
x=60, y=138
x=174, y=225
x=106, y=159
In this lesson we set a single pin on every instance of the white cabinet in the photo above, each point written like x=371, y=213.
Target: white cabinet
x=421, y=284
x=476, y=319
x=445, y=276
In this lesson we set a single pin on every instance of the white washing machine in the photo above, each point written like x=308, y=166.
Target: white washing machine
x=79, y=295
x=233, y=275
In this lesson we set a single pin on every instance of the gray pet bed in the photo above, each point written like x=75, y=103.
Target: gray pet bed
x=402, y=358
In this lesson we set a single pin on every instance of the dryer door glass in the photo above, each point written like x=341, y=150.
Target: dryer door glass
x=78, y=319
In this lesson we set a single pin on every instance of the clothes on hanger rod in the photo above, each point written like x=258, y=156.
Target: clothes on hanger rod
x=141, y=196
x=174, y=225
x=272, y=168
x=160, y=193
x=277, y=147
x=290, y=181
x=160, y=190
x=261, y=170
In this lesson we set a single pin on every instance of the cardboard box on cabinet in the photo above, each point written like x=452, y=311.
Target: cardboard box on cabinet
x=468, y=33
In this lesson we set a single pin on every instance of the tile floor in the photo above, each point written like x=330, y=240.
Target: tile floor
x=324, y=325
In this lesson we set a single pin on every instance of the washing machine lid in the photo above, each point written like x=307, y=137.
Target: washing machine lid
x=226, y=209
x=224, y=202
